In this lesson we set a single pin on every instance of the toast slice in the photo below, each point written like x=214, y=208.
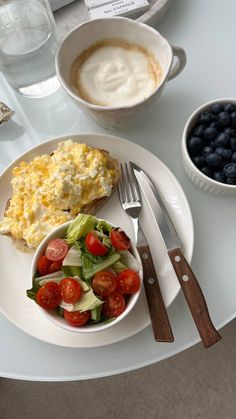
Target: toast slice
x=90, y=207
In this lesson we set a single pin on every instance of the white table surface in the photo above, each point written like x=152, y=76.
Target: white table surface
x=207, y=31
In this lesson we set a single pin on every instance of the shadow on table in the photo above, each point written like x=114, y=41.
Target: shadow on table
x=51, y=115
x=11, y=131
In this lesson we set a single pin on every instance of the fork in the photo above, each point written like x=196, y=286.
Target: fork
x=130, y=200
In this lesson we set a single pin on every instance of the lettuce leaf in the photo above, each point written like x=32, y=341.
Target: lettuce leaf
x=96, y=314
x=82, y=224
x=89, y=269
x=104, y=227
x=119, y=267
x=93, y=264
x=73, y=257
x=129, y=260
x=72, y=271
x=87, y=301
x=31, y=293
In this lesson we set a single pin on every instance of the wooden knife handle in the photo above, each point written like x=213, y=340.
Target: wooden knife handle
x=159, y=317
x=195, y=298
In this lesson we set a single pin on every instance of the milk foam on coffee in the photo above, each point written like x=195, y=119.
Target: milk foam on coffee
x=113, y=72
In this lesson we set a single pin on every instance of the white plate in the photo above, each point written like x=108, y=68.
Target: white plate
x=15, y=266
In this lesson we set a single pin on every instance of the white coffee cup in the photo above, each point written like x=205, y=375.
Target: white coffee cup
x=133, y=32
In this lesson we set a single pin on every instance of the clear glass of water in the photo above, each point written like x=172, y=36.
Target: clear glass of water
x=28, y=44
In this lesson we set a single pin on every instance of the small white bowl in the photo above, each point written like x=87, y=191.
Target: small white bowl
x=60, y=321
x=196, y=176
x=134, y=32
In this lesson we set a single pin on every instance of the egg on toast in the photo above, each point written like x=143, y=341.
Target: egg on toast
x=52, y=189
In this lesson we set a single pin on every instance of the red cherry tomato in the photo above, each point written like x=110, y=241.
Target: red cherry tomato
x=119, y=239
x=94, y=245
x=77, y=318
x=114, y=305
x=128, y=282
x=43, y=265
x=49, y=296
x=56, y=249
x=55, y=267
x=104, y=283
x=70, y=290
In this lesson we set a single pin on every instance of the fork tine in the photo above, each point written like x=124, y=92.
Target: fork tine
x=128, y=183
x=122, y=187
x=133, y=182
x=127, y=186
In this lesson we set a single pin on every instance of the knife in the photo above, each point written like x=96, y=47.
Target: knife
x=188, y=282
x=130, y=200
x=159, y=318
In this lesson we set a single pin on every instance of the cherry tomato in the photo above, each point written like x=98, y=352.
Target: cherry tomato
x=56, y=249
x=55, y=267
x=114, y=305
x=49, y=296
x=70, y=290
x=43, y=265
x=119, y=239
x=104, y=283
x=94, y=245
x=77, y=318
x=128, y=282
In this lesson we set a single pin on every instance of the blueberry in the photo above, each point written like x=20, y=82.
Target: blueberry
x=213, y=160
x=199, y=130
x=230, y=107
x=219, y=176
x=215, y=125
x=207, y=150
x=199, y=161
x=222, y=139
x=217, y=108
x=212, y=144
x=223, y=119
x=229, y=170
x=225, y=153
x=233, y=118
x=210, y=133
x=233, y=157
x=230, y=131
x=233, y=143
x=207, y=171
x=195, y=144
x=205, y=118
x=231, y=180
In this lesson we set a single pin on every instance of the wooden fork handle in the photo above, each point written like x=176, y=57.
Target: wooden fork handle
x=159, y=317
x=195, y=298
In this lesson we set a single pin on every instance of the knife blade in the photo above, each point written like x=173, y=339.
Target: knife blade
x=188, y=281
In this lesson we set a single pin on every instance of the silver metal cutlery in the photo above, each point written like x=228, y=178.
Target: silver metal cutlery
x=189, y=284
x=131, y=202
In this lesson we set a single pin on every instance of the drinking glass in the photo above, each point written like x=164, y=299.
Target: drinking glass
x=28, y=44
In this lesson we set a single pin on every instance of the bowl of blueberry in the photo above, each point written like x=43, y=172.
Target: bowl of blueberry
x=209, y=147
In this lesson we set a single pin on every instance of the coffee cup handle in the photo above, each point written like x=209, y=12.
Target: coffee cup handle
x=180, y=54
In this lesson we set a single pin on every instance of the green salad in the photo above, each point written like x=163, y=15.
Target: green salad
x=88, y=275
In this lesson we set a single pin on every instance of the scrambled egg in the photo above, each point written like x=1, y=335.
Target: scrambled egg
x=50, y=190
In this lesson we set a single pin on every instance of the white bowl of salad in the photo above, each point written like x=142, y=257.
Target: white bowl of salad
x=86, y=275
